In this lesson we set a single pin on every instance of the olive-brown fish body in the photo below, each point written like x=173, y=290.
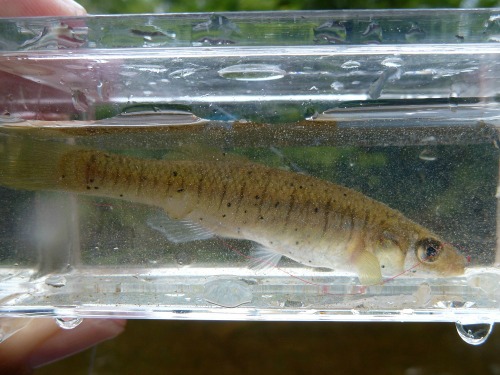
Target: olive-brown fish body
x=312, y=221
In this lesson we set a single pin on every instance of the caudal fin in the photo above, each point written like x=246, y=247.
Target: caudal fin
x=29, y=164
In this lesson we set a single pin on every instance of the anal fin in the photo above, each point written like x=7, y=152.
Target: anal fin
x=264, y=258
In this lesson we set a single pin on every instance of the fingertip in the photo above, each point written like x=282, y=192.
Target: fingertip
x=32, y=8
x=67, y=342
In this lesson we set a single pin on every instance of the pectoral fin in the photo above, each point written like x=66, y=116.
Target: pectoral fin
x=179, y=231
x=368, y=268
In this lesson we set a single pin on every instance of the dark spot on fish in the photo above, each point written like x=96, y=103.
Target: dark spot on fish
x=257, y=197
x=224, y=215
x=271, y=242
x=180, y=190
x=63, y=176
x=121, y=195
x=91, y=180
x=88, y=187
x=201, y=219
x=345, y=194
x=229, y=204
x=223, y=154
x=300, y=187
x=174, y=173
x=261, y=217
x=296, y=242
x=296, y=229
x=316, y=209
x=249, y=173
x=96, y=187
x=382, y=266
x=276, y=204
x=310, y=261
x=245, y=211
x=291, y=184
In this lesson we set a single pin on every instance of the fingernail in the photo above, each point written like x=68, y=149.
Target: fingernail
x=72, y=7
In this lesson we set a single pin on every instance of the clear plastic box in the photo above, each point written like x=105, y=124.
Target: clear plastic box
x=157, y=166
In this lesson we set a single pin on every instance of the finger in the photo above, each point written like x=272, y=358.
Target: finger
x=43, y=341
x=28, y=8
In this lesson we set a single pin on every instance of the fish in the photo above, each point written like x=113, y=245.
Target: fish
x=312, y=221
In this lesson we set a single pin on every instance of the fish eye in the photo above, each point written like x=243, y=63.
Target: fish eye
x=428, y=250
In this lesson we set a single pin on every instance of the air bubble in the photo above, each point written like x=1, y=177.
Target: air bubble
x=182, y=73
x=56, y=281
x=337, y=86
x=351, y=64
x=252, y=72
x=392, y=62
x=474, y=334
x=183, y=258
x=68, y=322
x=227, y=293
x=427, y=155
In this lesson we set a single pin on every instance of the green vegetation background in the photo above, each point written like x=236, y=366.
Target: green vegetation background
x=151, y=6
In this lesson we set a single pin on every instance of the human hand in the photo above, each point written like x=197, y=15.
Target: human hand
x=39, y=341
x=29, y=8
x=42, y=341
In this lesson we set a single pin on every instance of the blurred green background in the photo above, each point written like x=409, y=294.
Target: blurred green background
x=151, y=6
x=177, y=347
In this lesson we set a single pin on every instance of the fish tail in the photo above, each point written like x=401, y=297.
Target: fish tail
x=29, y=164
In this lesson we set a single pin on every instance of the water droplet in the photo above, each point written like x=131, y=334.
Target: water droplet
x=228, y=292
x=427, y=155
x=351, y=64
x=474, y=334
x=252, y=72
x=392, y=62
x=337, y=86
x=68, y=322
x=57, y=281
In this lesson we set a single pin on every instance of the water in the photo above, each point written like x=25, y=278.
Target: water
x=402, y=114
x=443, y=178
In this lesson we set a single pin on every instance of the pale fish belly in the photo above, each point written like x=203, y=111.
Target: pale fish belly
x=311, y=245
